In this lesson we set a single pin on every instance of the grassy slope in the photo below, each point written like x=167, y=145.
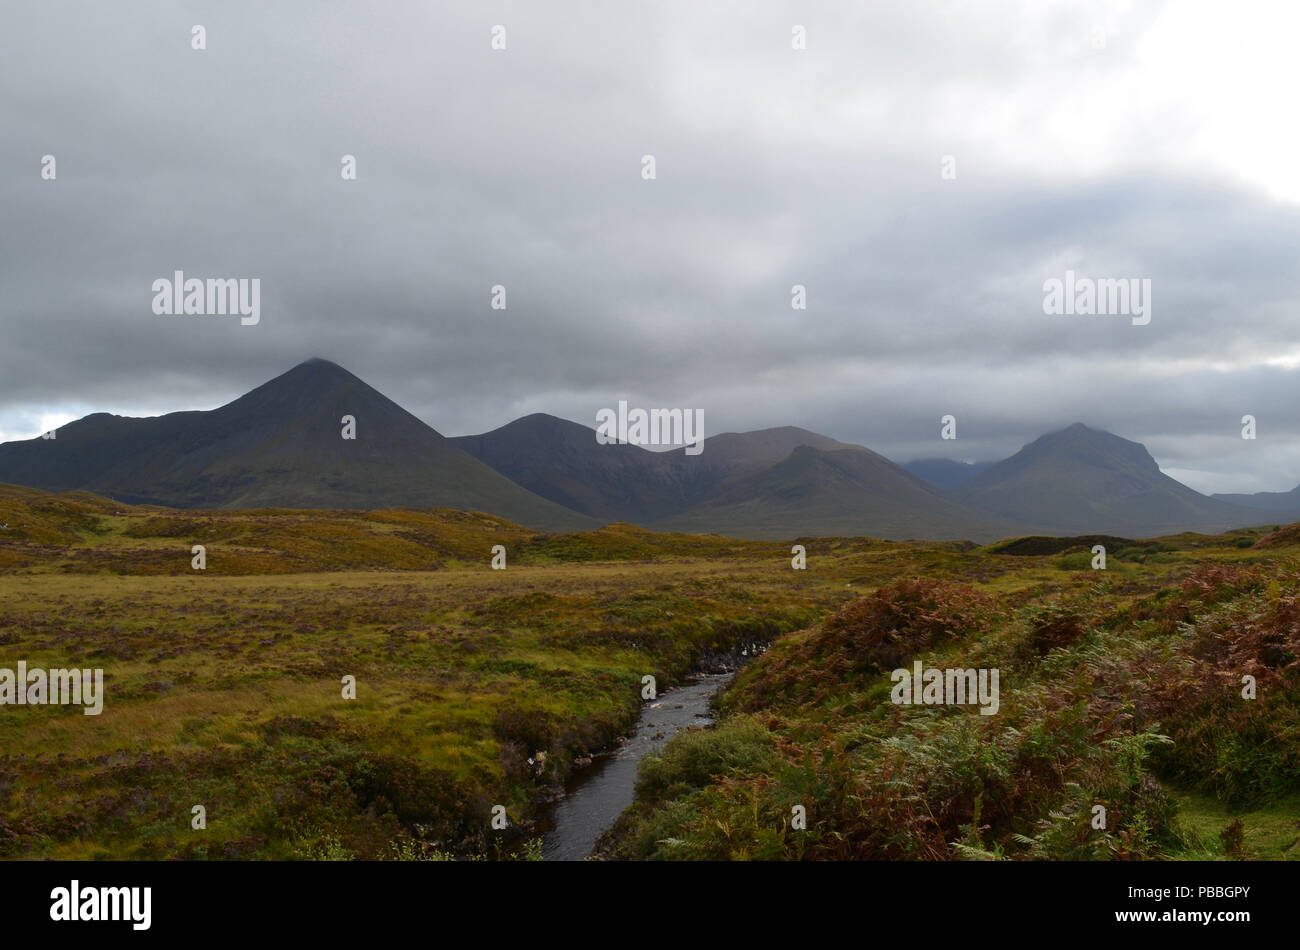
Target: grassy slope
x=1094, y=669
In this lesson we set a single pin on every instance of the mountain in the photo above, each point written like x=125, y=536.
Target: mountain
x=562, y=461
x=783, y=482
x=1084, y=481
x=945, y=474
x=279, y=445
x=739, y=452
x=1286, y=502
x=842, y=491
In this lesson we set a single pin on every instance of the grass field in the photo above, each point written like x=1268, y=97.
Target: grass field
x=224, y=688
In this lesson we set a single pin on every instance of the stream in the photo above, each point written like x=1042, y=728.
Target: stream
x=597, y=795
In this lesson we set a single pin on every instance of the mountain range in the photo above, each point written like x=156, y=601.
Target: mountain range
x=278, y=446
x=281, y=445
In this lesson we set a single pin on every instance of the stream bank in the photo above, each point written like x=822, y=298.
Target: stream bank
x=597, y=795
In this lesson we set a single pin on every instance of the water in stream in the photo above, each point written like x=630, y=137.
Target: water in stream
x=599, y=793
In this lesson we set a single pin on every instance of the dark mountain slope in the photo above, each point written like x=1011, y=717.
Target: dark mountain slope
x=279, y=445
x=840, y=492
x=1084, y=481
x=562, y=461
x=945, y=474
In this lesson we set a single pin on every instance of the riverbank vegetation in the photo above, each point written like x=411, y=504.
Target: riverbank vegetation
x=1149, y=712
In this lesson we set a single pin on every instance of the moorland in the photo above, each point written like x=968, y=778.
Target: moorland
x=1120, y=688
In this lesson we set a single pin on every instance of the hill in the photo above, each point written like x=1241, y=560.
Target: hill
x=562, y=461
x=1084, y=481
x=841, y=492
x=279, y=445
x=1282, y=502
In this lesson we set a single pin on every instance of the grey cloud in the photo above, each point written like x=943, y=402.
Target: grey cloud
x=523, y=168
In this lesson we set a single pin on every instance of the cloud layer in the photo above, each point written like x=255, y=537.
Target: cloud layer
x=1114, y=140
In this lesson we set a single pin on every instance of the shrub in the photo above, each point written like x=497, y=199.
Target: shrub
x=695, y=758
x=1233, y=837
x=880, y=632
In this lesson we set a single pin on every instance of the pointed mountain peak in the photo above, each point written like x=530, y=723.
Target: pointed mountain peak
x=310, y=378
x=316, y=367
x=1091, y=446
x=313, y=397
x=1076, y=430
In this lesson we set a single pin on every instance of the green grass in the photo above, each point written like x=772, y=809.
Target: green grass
x=1271, y=833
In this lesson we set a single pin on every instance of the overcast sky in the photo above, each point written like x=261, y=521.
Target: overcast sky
x=1117, y=140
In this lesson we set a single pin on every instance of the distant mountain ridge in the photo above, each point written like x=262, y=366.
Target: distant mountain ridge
x=945, y=474
x=1080, y=480
x=779, y=482
x=562, y=461
x=1282, y=502
x=846, y=492
x=280, y=445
